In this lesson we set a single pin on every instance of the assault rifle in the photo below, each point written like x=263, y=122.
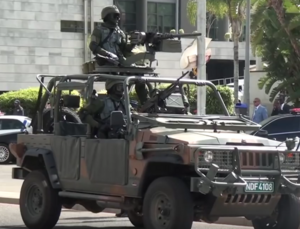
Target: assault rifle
x=157, y=101
x=144, y=38
x=109, y=59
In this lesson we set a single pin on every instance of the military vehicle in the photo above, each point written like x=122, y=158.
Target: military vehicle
x=140, y=53
x=166, y=170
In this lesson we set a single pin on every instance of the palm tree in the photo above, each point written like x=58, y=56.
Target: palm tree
x=274, y=30
x=235, y=11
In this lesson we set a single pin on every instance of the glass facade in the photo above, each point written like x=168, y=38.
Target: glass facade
x=211, y=26
x=128, y=10
x=161, y=17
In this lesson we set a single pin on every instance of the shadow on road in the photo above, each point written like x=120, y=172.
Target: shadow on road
x=92, y=218
x=68, y=227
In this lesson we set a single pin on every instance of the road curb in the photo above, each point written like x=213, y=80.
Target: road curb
x=235, y=221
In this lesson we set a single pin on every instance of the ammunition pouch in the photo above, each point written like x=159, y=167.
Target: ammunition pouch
x=88, y=67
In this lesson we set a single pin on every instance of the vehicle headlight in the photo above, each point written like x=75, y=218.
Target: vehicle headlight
x=281, y=158
x=208, y=156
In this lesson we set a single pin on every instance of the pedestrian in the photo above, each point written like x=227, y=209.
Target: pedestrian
x=18, y=110
x=276, y=108
x=284, y=107
x=260, y=112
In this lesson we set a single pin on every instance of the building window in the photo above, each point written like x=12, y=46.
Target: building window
x=75, y=26
x=72, y=26
x=128, y=11
x=161, y=17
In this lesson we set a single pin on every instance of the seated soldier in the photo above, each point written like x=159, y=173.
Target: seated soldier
x=97, y=112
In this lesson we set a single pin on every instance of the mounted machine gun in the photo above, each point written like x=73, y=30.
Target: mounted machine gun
x=140, y=53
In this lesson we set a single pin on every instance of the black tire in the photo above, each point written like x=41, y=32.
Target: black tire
x=168, y=204
x=136, y=218
x=288, y=215
x=40, y=205
x=48, y=122
x=5, y=154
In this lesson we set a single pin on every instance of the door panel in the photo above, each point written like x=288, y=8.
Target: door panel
x=107, y=160
x=284, y=136
x=66, y=151
x=283, y=126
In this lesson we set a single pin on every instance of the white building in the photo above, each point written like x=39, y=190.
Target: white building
x=46, y=36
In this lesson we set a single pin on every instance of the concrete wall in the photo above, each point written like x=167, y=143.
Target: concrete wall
x=31, y=41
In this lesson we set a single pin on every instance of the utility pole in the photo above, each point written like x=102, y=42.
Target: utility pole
x=247, y=58
x=201, y=66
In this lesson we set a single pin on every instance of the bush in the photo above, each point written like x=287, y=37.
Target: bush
x=213, y=106
x=28, y=98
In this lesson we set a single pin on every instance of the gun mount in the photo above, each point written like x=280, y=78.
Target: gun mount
x=142, y=48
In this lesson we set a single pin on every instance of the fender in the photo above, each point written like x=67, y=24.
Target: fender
x=171, y=159
x=33, y=155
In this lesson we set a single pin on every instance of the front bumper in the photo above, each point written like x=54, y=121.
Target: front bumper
x=235, y=177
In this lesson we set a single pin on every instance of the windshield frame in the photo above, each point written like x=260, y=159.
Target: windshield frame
x=199, y=83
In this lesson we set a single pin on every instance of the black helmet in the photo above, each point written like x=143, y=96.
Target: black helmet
x=109, y=10
x=110, y=83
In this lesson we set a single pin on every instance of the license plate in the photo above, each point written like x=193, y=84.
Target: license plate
x=259, y=186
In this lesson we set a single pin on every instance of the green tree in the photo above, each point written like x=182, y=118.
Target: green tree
x=234, y=10
x=275, y=28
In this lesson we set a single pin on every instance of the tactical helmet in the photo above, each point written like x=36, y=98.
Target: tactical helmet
x=109, y=10
x=110, y=83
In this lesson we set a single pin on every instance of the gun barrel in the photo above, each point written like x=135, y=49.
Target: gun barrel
x=187, y=35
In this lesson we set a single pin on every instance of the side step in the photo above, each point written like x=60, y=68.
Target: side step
x=84, y=196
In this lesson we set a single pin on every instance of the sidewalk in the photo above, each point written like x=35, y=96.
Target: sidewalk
x=10, y=191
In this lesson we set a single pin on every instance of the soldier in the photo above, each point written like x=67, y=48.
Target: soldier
x=98, y=111
x=109, y=40
x=18, y=110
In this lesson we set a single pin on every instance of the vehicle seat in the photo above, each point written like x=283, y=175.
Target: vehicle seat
x=64, y=128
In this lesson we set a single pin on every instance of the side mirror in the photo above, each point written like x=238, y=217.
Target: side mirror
x=262, y=133
x=117, y=119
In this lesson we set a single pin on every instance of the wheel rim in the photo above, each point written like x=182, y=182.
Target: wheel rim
x=161, y=207
x=34, y=200
x=4, y=154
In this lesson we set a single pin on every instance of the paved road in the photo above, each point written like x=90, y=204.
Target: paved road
x=10, y=219
x=11, y=185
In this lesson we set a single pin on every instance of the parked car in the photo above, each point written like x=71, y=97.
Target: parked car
x=10, y=127
x=280, y=127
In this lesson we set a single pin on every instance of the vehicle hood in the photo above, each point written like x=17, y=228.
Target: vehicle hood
x=6, y=132
x=208, y=137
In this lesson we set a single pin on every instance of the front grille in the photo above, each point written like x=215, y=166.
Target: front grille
x=221, y=158
x=250, y=160
x=292, y=162
x=248, y=199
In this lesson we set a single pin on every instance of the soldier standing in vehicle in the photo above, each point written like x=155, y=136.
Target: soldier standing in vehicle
x=109, y=40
